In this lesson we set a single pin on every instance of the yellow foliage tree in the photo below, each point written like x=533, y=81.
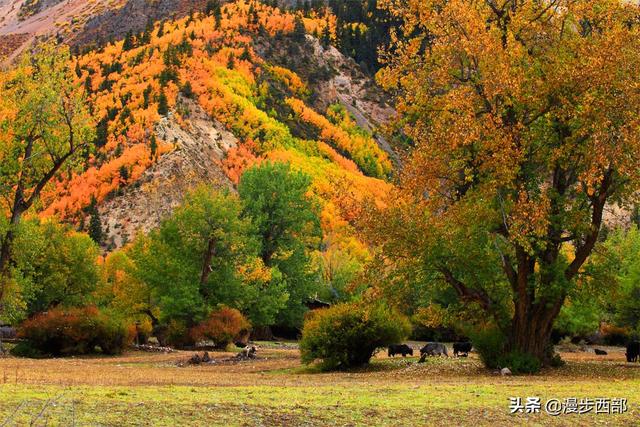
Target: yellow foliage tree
x=526, y=121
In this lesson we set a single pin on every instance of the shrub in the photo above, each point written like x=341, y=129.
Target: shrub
x=61, y=332
x=25, y=349
x=176, y=334
x=614, y=335
x=113, y=335
x=490, y=345
x=347, y=335
x=223, y=326
x=520, y=363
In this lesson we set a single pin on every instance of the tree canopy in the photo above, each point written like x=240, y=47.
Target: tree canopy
x=203, y=256
x=525, y=119
x=277, y=200
x=44, y=124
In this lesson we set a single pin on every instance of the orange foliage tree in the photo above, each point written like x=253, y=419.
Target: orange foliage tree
x=526, y=118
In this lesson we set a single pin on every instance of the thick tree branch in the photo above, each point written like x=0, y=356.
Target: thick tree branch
x=465, y=293
x=598, y=203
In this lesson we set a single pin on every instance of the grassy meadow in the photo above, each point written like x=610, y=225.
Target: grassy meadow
x=151, y=389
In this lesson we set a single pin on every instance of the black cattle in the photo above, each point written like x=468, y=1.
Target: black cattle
x=434, y=349
x=633, y=351
x=7, y=332
x=461, y=348
x=600, y=352
x=402, y=349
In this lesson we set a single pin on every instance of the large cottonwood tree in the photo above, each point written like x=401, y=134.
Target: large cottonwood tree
x=525, y=116
x=44, y=124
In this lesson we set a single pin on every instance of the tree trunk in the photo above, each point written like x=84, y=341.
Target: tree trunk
x=5, y=257
x=206, y=262
x=5, y=274
x=6, y=247
x=531, y=329
x=5, y=262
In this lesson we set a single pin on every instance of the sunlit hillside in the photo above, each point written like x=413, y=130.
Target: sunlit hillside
x=211, y=64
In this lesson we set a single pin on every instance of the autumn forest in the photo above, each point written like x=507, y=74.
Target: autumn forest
x=319, y=186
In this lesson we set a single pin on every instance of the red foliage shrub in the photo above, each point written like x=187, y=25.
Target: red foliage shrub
x=223, y=326
x=76, y=331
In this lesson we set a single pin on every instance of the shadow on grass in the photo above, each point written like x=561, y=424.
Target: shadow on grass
x=376, y=365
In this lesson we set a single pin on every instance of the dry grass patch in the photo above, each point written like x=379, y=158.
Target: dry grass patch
x=149, y=389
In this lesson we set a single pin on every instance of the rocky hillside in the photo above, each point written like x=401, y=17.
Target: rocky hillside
x=22, y=21
x=196, y=100
x=200, y=145
x=81, y=22
x=134, y=15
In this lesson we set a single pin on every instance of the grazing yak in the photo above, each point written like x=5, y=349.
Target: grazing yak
x=7, y=332
x=402, y=349
x=633, y=351
x=433, y=349
x=462, y=348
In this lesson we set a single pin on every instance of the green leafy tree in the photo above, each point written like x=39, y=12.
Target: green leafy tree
x=163, y=104
x=95, y=222
x=65, y=272
x=153, y=147
x=129, y=42
x=286, y=218
x=187, y=91
x=231, y=61
x=326, y=36
x=102, y=132
x=205, y=255
x=616, y=268
x=53, y=266
x=213, y=8
x=44, y=125
x=299, y=30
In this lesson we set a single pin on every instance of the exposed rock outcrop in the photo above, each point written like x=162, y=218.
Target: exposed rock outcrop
x=200, y=145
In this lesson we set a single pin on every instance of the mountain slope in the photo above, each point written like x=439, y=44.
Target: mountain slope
x=198, y=99
x=200, y=147
x=22, y=21
x=81, y=22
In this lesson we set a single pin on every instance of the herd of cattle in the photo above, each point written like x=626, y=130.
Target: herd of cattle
x=463, y=349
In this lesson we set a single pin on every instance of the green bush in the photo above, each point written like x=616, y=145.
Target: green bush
x=520, y=363
x=490, y=345
x=176, y=334
x=347, y=335
x=60, y=332
x=25, y=349
x=113, y=335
